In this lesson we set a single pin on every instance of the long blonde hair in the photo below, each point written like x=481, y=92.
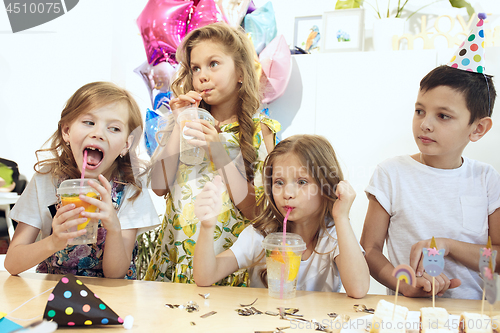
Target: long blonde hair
x=89, y=97
x=235, y=43
x=317, y=155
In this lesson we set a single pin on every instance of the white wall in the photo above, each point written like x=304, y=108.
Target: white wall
x=363, y=102
x=42, y=67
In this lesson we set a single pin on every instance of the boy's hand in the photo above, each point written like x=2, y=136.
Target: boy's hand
x=208, y=203
x=424, y=286
x=416, y=255
x=107, y=213
x=345, y=197
x=443, y=283
x=62, y=222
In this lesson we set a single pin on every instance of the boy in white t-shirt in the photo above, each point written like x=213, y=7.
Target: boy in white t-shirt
x=437, y=192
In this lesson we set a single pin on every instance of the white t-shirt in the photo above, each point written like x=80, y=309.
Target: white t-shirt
x=318, y=273
x=424, y=202
x=32, y=207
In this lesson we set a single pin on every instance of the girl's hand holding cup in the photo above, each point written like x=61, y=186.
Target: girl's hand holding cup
x=66, y=218
x=70, y=193
x=208, y=203
x=196, y=132
x=204, y=134
x=106, y=212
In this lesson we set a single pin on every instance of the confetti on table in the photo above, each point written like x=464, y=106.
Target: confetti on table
x=211, y=313
x=243, y=305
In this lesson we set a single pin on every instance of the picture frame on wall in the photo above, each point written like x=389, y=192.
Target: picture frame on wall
x=343, y=30
x=307, y=33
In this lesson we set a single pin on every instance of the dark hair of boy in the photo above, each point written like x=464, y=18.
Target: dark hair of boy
x=477, y=89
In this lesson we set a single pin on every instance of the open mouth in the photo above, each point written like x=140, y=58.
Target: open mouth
x=94, y=157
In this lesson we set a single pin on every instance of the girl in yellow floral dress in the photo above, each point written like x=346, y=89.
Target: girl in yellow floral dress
x=217, y=74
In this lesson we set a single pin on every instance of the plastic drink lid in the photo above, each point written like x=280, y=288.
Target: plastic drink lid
x=189, y=110
x=293, y=241
x=73, y=185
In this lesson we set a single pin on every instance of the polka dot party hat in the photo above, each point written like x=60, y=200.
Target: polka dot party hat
x=71, y=303
x=470, y=54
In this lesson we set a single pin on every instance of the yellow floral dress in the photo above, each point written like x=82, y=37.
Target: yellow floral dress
x=173, y=256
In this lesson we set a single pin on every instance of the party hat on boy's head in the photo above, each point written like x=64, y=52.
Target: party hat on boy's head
x=470, y=54
x=71, y=303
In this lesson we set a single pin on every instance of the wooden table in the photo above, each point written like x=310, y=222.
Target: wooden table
x=145, y=301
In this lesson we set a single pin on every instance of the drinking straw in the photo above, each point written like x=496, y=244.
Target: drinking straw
x=83, y=169
x=283, y=253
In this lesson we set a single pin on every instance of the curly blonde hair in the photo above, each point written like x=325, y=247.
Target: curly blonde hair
x=91, y=96
x=235, y=43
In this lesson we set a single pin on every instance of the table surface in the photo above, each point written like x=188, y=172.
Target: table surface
x=145, y=301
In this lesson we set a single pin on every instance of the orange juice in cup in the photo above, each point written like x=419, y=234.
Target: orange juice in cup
x=75, y=199
x=69, y=192
x=283, y=263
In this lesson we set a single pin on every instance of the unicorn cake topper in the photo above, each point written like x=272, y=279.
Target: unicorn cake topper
x=490, y=282
x=433, y=259
x=487, y=256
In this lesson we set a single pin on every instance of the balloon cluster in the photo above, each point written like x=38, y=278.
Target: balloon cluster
x=164, y=23
x=157, y=79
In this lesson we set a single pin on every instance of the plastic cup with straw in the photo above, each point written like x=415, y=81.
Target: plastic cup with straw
x=283, y=257
x=69, y=191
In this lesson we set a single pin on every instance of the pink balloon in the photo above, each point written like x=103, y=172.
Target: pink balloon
x=163, y=26
x=206, y=12
x=276, y=63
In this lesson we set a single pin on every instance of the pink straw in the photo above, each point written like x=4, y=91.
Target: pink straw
x=83, y=169
x=283, y=253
